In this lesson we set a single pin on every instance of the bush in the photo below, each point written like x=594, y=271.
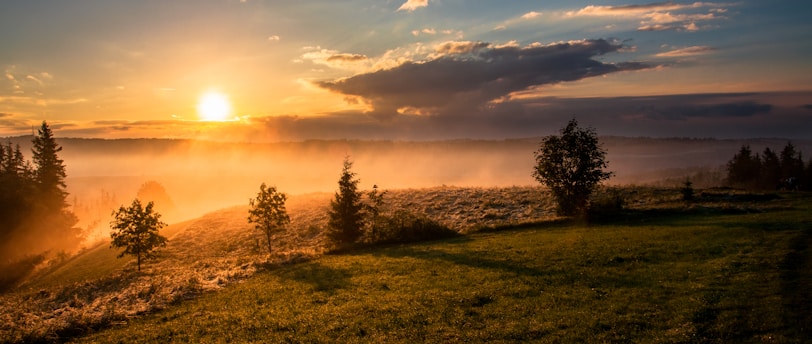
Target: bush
x=404, y=226
x=606, y=204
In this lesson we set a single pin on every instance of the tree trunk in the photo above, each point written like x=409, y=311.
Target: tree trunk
x=268, y=234
x=139, y=261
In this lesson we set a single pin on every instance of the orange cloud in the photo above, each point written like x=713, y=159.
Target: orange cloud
x=412, y=5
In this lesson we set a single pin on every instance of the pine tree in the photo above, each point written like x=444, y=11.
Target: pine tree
x=346, y=217
x=744, y=169
x=770, y=176
x=50, y=169
x=792, y=166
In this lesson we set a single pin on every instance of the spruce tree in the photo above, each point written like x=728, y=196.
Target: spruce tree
x=346, y=217
x=49, y=169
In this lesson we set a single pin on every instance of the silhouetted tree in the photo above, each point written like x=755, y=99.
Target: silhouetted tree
x=17, y=188
x=687, y=191
x=136, y=229
x=268, y=213
x=743, y=170
x=806, y=183
x=153, y=191
x=571, y=165
x=792, y=166
x=770, y=170
x=49, y=169
x=345, y=215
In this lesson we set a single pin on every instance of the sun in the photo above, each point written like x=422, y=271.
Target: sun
x=213, y=106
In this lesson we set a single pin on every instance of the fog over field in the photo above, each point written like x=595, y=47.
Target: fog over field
x=202, y=176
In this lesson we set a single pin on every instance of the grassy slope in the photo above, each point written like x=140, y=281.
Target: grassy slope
x=654, y=276
x=97, y=262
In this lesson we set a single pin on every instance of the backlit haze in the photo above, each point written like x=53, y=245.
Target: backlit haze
x=418, y=93
x=269, y=71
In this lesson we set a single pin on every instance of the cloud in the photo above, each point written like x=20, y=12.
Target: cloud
x=658, y=16
x=274, y=38
x=426, y=31
x=346, y=57
x=470, y=74
x=684, y=112
x=516, y=20
x=334, y=59
x=531, y=15
x=411, y=5
x=688, y=51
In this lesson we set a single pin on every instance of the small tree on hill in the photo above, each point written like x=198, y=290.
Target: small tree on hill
x=346, y=216
x=268, y=213
x=571, y=165
x=136, y=229
x=374, y=207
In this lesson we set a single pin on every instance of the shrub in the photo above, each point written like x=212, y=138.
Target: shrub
x=404, y=226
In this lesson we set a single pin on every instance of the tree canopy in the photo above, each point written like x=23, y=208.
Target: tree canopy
x=346, y=218
x=268, y=213
x=571, y=165
x=136, y=229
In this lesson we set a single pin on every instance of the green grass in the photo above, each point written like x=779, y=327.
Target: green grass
x=96, y=262
x=675, y=276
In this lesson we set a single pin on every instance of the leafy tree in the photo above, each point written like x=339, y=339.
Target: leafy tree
x=346, y=216
x=268, y=213
x=571, y=165
x=373, y=209
x=153, y=191
x=50, y=169
x=136, y=229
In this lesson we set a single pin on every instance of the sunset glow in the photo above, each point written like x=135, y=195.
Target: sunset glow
x=214, y=106
x=406, y=69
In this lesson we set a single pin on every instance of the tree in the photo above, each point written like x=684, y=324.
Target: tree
x=571, y=165
x=792, y=166
x=744, y=169
x=373, y=209
x=136, y=229
x=50, y=169
x=346, y=217
x=770, y=171
x=268, y=212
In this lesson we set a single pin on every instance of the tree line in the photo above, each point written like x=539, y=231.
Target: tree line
x=770, y=170
x=34, y=214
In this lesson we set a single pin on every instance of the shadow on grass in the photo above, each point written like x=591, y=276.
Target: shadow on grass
x=796, y=286
x=471, y=259
x=321, y=278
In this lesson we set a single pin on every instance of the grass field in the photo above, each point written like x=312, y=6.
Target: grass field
x=732, y=270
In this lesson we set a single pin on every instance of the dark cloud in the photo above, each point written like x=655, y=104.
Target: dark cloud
x=807, y=106
x=683, y=112
x=467, y=75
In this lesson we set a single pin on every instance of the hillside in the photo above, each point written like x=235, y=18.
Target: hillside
x=753, y=236
x=221, y=248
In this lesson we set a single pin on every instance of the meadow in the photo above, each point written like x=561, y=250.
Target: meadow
x=731, y=267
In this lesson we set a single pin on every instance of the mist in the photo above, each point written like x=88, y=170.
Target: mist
x=203, y=176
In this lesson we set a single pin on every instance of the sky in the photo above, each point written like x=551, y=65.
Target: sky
x=405, y=69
